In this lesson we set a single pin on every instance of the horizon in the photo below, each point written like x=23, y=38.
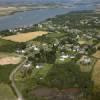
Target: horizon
x=59, y=1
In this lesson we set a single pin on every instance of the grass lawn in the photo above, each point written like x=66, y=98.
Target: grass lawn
x=62, y=61
x=42, y=72
x=5, y=71
x=6, y=92
x=7, y=46
x=36, y=73
x=82, y=41
x=30, y=82
x=56, y=35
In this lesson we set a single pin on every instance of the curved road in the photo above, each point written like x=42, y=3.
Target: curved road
x=11, y=78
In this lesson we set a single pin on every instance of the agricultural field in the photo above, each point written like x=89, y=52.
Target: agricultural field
x=9, y=60
x=51, y=78
x=7, y=52
x=24, y=37
x=96, y=74
x=97, y=54
x=31, y=79
x=8, y=46
x=5, y=71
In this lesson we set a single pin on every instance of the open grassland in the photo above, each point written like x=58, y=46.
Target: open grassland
x=96, y=74
x=8, y=61
x=6, y=54
x=24, y=37
x=5, y=71
x=27, y=82
x=6, y=92
x=8, y=46
x=47, y=76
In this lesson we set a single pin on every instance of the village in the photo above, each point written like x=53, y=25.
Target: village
x=75, y=44
x=61, y=59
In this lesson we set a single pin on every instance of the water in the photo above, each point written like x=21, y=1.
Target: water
x=34, y=16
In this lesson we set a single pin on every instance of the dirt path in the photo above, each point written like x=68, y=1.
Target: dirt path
x=11, y=78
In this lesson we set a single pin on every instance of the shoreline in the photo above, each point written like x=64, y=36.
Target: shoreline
x=10, y=10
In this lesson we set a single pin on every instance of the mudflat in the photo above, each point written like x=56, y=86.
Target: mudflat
x=8, y=10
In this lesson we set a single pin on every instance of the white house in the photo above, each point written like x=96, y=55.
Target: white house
x=85, y=60
x=27, y=65
x=39, y=66
x=20, y=51
x=36, y=48
x=63, y=57
x=72, y=57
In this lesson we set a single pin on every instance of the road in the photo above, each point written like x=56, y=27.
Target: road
x=11, y=78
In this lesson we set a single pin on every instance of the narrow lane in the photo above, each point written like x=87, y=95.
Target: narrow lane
x=11, y=78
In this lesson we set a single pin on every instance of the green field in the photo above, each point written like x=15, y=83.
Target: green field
x=5, y=71
x=9, y=46
x=61, y=76
x=6, y=92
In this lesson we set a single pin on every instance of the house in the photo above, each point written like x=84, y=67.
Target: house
x=38, y=66
x=20, y=51
x=77, y=37
x=40, y=25
x=85, y=60
x=63, y=57
x=82, y=51
x=76, y=48
x=14, y=30
x=20, y=29
x=72, y=57
x=27, y=65
x=35, y=48
x=10, y=30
